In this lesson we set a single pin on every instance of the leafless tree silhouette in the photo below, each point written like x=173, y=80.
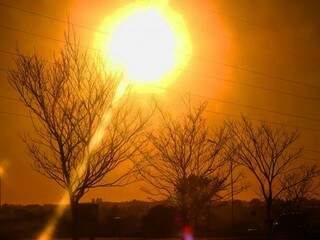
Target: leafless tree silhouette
x=186, y=162
x=269, y=154
x=81, y=134
x=306, y=185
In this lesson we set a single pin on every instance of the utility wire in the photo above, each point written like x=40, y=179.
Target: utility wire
x=227, y=114
x=262, y=74
x=51, y=18
x=10, y=98
x=210, y=99
x=217, y=62
x=30, y=33
x=210, y=60
x=208, y=111
x=91, y=29
x=14, y=114
x=216, y=113
x=309, y=118
x=242, y=68
x=282, y=92
x=212, y=112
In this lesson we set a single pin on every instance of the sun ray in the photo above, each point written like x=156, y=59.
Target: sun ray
x=98, y=136
x=148, y=44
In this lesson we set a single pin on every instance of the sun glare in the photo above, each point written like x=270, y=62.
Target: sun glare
x=147, y=42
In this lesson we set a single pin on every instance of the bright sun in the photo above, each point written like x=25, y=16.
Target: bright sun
x=148, y=42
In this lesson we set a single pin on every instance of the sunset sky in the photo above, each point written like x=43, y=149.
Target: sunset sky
x=258, y=58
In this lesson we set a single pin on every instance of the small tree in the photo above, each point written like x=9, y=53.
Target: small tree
x=81, y=135
x=183, y=165
x=198, y=192
x=269, y=155
x=306, y=186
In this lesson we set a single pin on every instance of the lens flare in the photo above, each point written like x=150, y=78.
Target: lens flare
x=187, y=233
x=48, y=231
x=98, y=136
x=147, y=41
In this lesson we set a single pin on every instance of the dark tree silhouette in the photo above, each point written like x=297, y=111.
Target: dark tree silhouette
x=269, y=154
x=81, y=134
x=197, y=193
x=181, y=164
x=306, y=185
x=160, y=222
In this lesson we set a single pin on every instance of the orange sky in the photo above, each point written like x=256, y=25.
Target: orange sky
x=234, y=42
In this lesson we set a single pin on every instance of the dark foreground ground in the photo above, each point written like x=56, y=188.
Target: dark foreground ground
x=136, y=220
x=211, y=238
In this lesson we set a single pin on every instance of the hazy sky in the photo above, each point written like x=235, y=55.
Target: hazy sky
x=248, y=52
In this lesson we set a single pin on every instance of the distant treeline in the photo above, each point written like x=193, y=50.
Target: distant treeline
x=154, y=219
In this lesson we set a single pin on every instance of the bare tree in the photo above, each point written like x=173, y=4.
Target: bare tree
x=182, y=164
x=269, y=154
x=306, y=186
x=81, y=133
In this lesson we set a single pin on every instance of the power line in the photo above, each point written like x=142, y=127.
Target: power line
x=259, y=73
x=30, y=33
x=227, y=114
x=216, y=113
x=260, y=120
x=309, y=118
x=241, y=68
x=51, y=18
x=91, y=29
x=312, y=150
x=247, y=22
x=10, y=98
x=260, y=108
x=264, y=88
x=262, y=74
x=8, y=52
x=273, y=123
x=227, y=65
x=250, y=85
x=213, y=61
x=232, y=82
x=219, y=113
x=14, y=114
x=209, y=111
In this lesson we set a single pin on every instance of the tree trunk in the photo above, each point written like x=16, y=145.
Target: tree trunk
x=208, y=225
x=184, y=215
x=184, y=208
x=195, y=226
x=269, y=220
x=74, y=218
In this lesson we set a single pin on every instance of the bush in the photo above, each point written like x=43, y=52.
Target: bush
x=160, y=221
